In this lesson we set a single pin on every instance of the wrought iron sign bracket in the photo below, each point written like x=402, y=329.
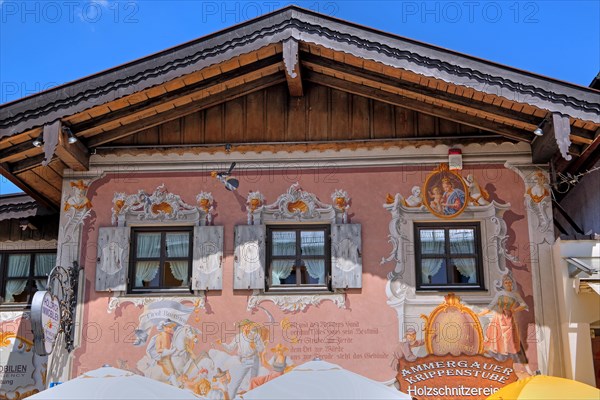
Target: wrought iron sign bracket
x=64, y=284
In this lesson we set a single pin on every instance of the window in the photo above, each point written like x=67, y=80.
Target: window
x=448, y=256
x=298, y=257
x=22, y=274
x=160, y=259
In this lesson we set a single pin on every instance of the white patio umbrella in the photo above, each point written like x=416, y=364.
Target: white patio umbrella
x=322, y=380
x=113, y=383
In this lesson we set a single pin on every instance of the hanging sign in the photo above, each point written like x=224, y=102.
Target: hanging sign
x=45, y=321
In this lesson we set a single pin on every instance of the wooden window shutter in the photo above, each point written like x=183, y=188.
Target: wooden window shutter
x=207, y=269
x=112, y=263
x=249, y=257
x=346, y=256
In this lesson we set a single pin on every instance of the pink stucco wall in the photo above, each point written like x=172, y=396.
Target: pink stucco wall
x=362, y=337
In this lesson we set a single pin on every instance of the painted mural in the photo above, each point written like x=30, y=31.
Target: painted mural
x=222, y=343
x=22, y=372
x=456, y=344
x=446, y=193
x=215, y=364
x=481, y=341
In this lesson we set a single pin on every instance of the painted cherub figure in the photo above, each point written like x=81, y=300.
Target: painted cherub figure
x=436, y=202
x=415, y=199
x=477, y=195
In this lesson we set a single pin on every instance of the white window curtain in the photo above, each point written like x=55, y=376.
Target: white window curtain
x=43, y=266
x=178, y=246
x=314, y=246
x=463, y=242
x=284, y=244
x=18, y=266
x=148, y=245
x=432, y=242
x=280, y=270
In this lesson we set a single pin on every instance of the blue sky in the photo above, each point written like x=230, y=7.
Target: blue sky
x=46, y=43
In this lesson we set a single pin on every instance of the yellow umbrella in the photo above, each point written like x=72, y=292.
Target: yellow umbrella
x=547, y=388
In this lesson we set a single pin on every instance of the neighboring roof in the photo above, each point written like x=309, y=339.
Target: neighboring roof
x=19, y=206
x=596, y=82
x=307, y=26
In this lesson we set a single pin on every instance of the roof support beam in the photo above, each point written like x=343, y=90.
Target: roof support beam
x=9, y=174
x=555, y=138
x=401, y=101
x=26, y=164
x=75, y=155
x=291, y=61
x=336, y=68
x=96, y=125
x=16, y=149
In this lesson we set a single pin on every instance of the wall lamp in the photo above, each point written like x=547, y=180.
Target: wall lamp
x=39, y=141
x=539, y=131
x=71, y=136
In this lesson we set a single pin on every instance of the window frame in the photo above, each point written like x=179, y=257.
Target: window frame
x=478, y=255
x=298, y=287
x=4, y=279
x=133, y=259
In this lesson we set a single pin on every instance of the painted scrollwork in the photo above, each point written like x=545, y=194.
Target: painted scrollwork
x=116, y=302
x=341, y=203
x=500, y=238
x=205, y=207
x=254, y=204
x=77, y=208
x=537, y=199
x=299, y=206
x=394, y=204
x=293, y=303
x=161, y=205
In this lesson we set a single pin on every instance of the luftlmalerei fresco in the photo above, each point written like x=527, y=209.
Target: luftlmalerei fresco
x=223, y=342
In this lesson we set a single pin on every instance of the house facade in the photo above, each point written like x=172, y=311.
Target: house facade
x=296, y=187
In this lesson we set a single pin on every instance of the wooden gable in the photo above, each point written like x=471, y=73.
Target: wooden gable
x=321, y=115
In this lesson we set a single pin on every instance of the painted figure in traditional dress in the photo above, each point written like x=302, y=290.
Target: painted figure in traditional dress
x=220, y=386
x=279, y=362
x=249, y=345
x=405, y=348
x=453, y=199
x=162, y=349
x=502, y=334
x=77, y=199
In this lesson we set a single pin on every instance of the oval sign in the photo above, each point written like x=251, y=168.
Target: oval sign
x=45, y=321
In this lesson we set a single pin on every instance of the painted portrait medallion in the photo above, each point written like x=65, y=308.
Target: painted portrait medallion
x=444, y=193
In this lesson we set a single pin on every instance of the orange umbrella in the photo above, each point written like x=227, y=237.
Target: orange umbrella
x=548, y=388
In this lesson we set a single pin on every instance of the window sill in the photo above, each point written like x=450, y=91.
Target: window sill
x=448, y=289
x=293, y=301
x=159, y=292
x=298, y=290
x=15, y=307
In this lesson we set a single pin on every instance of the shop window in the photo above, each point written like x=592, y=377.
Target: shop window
x=22, y=274
x=448, y=256
x=298, y=258
x=161, y=259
